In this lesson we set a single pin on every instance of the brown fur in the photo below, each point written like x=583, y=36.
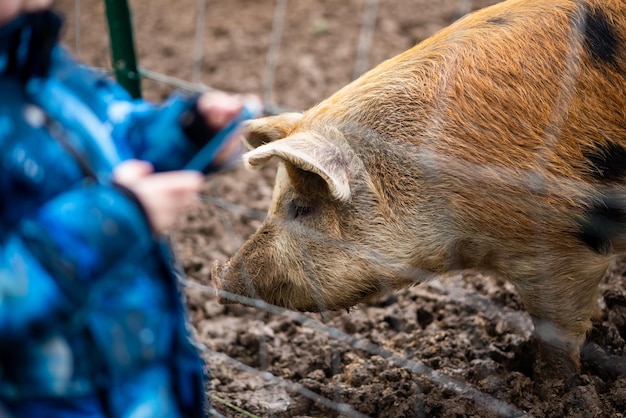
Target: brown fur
x=477, y=148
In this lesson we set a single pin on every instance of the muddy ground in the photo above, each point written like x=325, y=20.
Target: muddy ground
x=458, y=346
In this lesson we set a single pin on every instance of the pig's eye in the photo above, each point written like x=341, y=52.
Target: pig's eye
x=300, y=208
x=302, y=211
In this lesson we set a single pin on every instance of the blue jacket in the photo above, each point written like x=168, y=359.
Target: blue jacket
x=91, y=319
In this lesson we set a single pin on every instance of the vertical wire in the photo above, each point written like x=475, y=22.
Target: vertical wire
x=77, y=28
x=557, y=120
x=366, y=36
x=273, y=50
x=199, y=41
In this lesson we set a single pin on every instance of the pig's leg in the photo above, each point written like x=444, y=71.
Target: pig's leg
x=559, y=349
x=561, y=309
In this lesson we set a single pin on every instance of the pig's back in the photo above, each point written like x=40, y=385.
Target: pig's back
x=530, y=85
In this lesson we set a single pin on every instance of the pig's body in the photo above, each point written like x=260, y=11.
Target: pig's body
x=499, y=144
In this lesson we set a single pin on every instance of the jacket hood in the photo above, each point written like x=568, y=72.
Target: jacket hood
x=26, y=44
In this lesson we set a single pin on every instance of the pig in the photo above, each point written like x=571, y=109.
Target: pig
x=496, y=145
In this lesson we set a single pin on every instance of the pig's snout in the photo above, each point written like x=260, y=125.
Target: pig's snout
x=218, y=271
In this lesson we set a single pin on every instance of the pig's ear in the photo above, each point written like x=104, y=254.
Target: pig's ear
x=308, y=153
x=269, y=129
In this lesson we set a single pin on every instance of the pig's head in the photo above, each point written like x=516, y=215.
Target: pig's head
x=317, y=249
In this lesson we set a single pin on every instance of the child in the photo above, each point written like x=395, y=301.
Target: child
x=91, y=319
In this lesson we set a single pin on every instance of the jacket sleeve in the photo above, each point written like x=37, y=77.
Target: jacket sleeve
x=168, y=134
x=50, y=262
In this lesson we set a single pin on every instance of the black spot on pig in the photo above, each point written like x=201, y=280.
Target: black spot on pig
x=599, y=37
x=603, y=221
x=608, y=161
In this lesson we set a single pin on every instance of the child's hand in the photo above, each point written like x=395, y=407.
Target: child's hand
x=10, y=9
x=219, y=108
x=164, y=196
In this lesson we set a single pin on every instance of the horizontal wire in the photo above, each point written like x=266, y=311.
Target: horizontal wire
x=269, y=109
x=234, y=208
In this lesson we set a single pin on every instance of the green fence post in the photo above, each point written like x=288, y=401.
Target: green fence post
x=123, y=46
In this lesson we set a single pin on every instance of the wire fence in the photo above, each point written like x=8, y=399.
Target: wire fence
x=369, y=15
x=414, y=366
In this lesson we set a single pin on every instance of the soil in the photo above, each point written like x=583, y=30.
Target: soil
x=458, y=346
